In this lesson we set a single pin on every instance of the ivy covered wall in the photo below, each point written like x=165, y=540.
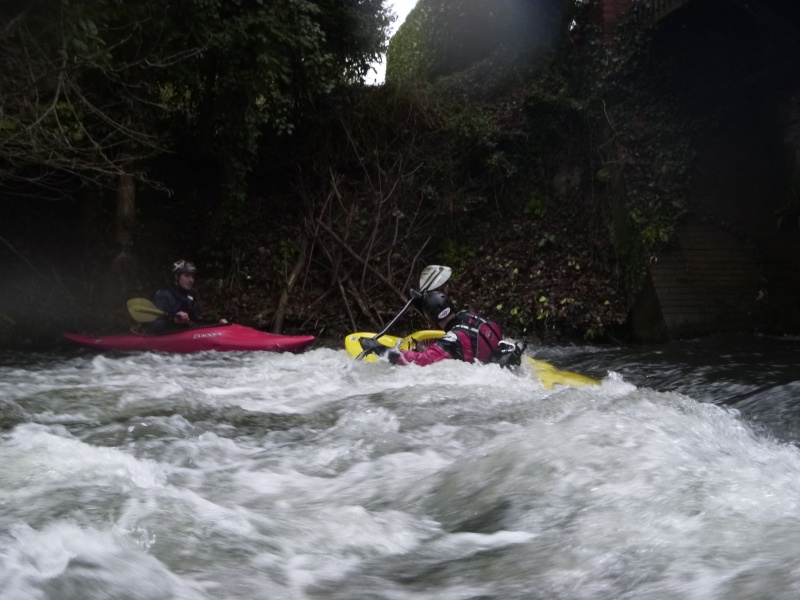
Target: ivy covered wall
x=442, y=37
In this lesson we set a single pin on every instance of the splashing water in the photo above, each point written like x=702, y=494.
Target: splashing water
x=260, y=475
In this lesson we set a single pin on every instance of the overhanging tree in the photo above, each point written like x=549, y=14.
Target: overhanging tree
x=88, y=85
x=91, y=91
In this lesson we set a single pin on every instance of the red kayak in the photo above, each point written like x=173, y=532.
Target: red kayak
x=222, y=338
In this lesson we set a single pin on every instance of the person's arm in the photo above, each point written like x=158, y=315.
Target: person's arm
x=432, y=354
x=453, y=345
x=166, y=301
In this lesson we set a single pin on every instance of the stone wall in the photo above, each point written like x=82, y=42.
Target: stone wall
x=735, y=265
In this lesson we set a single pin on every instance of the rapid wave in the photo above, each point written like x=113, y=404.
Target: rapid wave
x=312, y=476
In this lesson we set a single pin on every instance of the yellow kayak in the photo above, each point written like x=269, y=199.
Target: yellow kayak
x=543, y=370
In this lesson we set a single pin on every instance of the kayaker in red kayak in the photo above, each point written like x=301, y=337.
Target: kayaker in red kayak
x=177, y=302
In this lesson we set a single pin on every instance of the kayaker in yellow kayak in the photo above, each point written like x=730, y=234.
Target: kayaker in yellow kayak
x=469, y=337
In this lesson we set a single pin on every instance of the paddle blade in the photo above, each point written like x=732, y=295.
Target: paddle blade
x=433, y=276
x=144, y=311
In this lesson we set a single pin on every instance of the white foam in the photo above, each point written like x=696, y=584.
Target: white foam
x=268, y=475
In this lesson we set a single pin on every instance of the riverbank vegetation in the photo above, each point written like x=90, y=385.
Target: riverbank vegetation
x=240, y=135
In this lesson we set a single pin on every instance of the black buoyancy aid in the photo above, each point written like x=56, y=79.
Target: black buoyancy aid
x=483, y=335
x=173, y=299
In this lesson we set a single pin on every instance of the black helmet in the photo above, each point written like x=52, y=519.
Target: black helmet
x=436, y=306
x=183, y=266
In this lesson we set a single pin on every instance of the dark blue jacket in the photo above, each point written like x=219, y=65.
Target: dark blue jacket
x=172, y=300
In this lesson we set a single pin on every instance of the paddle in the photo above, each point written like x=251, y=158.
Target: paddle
x=144, y=311
x=432, y=277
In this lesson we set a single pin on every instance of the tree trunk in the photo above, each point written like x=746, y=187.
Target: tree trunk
x=280, y=313
x=126, y=210
x=123, y=270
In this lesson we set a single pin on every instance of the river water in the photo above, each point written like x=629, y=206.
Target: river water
x=259, y=475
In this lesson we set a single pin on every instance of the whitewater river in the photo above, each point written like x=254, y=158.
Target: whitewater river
x=258, y=475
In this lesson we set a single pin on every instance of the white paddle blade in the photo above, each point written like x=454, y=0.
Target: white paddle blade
x=433, y=276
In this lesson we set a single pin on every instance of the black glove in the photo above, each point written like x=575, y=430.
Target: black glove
x=372, y=345
x=508, y=354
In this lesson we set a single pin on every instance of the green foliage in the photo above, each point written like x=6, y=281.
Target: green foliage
x=562, y=288
x=118, y=77
x=600, y=138
x=408, y=57
x=546, y=238
x=622, y=101
x=535, y=206
x=515, y=189
x=260, y=65
x=442, y=37
x=72, y=99
x=457, y=254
